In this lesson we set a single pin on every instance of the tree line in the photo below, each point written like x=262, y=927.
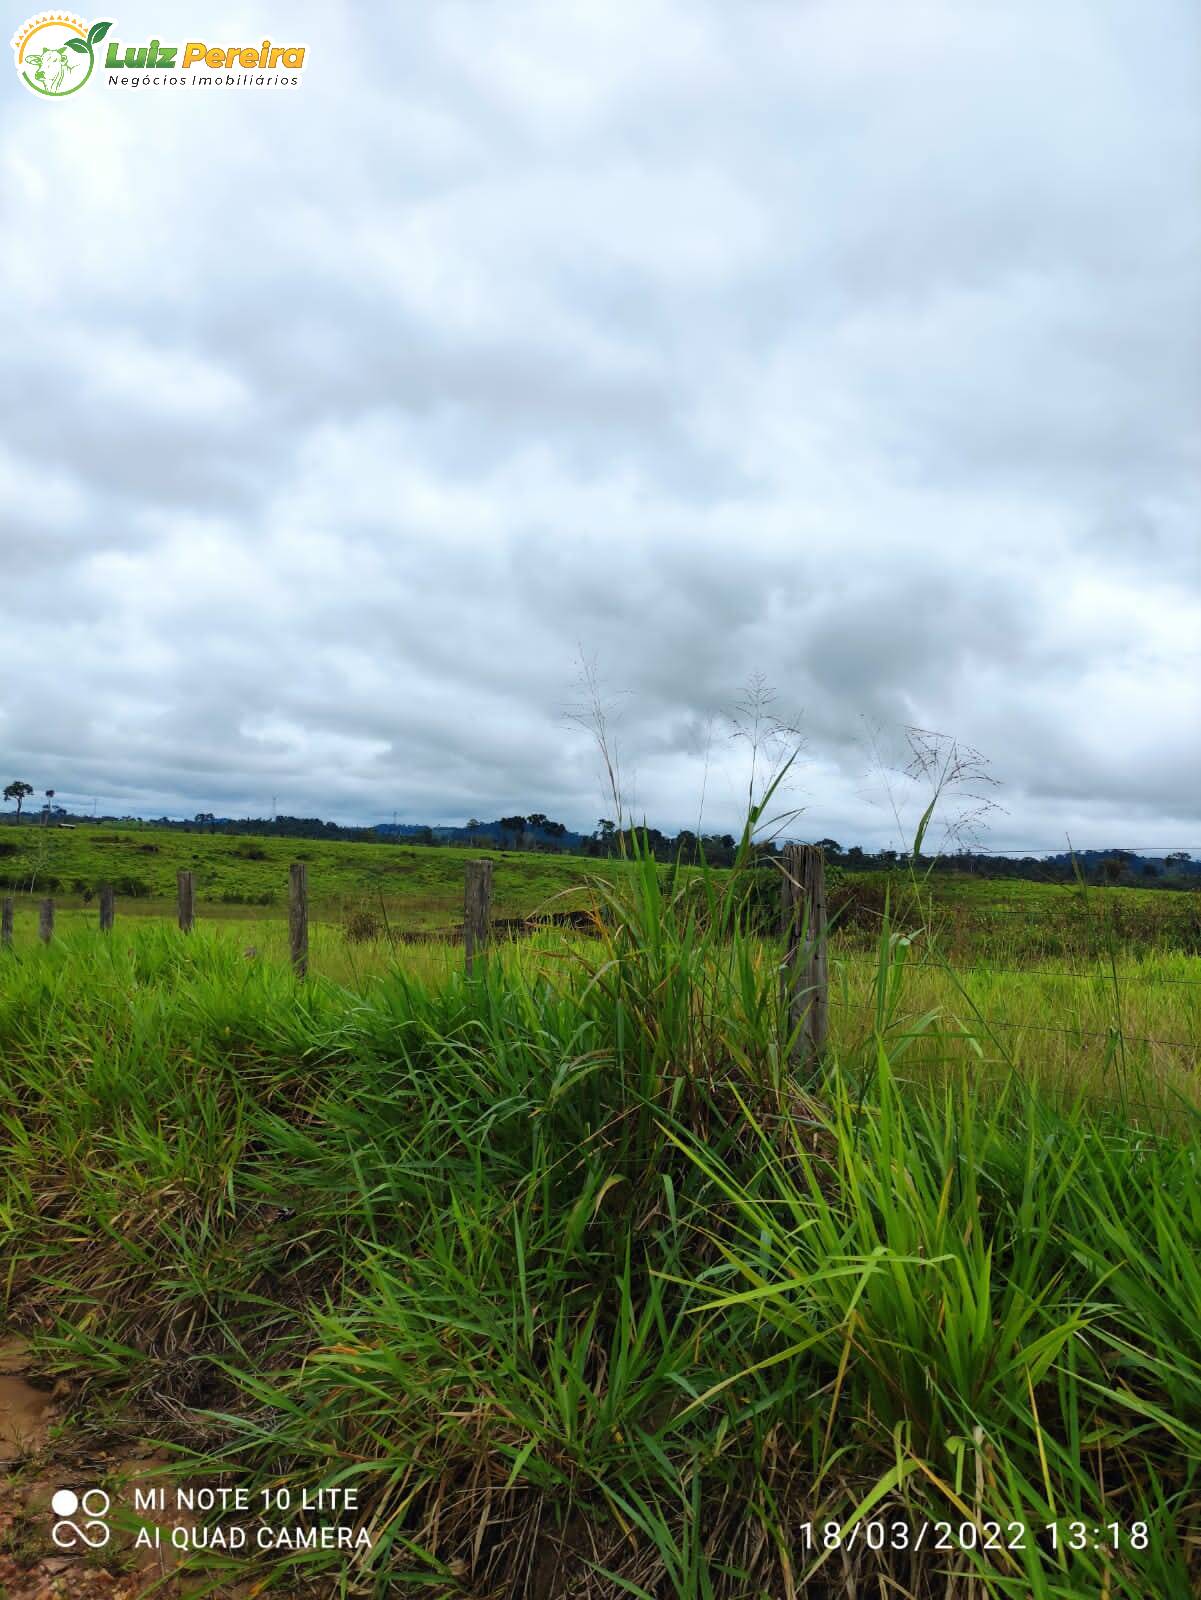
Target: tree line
x=535, y=831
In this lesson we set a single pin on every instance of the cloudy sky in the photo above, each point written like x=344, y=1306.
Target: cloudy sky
x=852, y=342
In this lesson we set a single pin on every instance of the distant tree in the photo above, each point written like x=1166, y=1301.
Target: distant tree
x=46, y=809
x=19, y=792
x=830, y=846
x=516, y=826
x=206, y=817
x=648, y=838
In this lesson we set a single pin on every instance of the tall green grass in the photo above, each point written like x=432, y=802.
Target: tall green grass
x=587, y=1289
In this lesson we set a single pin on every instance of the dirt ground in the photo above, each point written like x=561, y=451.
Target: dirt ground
x=43, y=1457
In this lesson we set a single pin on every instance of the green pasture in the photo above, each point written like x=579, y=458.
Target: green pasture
x=421, y=885
x=589, y=1285
x=414, y=888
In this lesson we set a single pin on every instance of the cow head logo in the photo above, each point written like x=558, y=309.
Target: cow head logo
x=55, y=52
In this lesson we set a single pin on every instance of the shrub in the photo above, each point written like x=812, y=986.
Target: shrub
x=362, y=926
x=133, y=888
x=31, y=879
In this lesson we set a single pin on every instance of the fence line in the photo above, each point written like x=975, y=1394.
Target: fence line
x=1098, y=1033
x=477, y=910
x=1043, y=972
x=804, y=972
x=185, y=888
x=1094, y=888
x=804, y=969
x=1040, y=1027
x=298, y=917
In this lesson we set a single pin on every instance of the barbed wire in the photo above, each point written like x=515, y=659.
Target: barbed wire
x=1115, y=1034
x=1043, y=972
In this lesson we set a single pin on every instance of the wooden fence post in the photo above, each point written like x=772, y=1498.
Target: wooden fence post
x=805, y=973
x=477, y=909
x=46, y=921
x=298, y=916
x=6, y=920
x=106, y=908
x=186, y=892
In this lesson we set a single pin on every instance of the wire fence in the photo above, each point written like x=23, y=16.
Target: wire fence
x=1036, y=971
x=1115, y=1034
x=1105, y=977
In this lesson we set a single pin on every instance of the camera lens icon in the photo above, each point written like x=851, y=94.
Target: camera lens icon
x=94, y=1531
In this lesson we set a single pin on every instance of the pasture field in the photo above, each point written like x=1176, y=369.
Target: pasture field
x=584, y=1284
x=419, y=888
x=238, y=875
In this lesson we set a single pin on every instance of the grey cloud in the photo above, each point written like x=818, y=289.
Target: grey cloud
x=850, y=342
